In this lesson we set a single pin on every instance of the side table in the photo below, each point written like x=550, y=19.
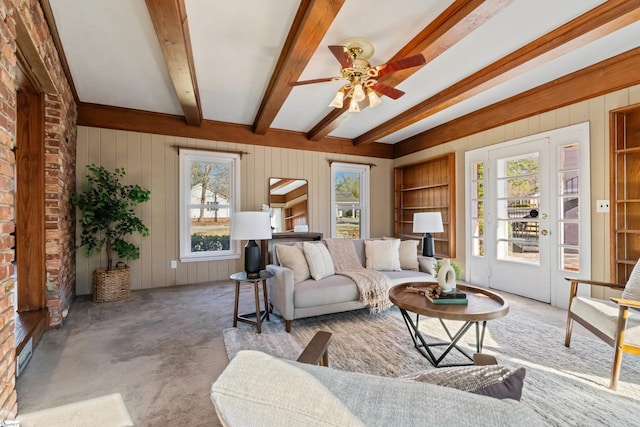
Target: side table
x=259, y=315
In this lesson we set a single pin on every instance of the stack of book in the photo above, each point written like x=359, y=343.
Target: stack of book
x=453, y=297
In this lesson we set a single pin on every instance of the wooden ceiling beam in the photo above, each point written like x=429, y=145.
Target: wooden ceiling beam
x=604, y=77
x=172, y=29
x=108, y=117
x=452, y=25
x=592, y=25
x=313, y=19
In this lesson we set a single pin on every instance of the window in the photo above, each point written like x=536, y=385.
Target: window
x=209, y=195
x=350, y=200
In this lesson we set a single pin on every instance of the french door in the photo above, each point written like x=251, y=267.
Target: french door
x=528, y=205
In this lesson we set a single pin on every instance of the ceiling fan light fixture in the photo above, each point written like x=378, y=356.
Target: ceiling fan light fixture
x=338, y=100
x=353, y=106
x=358, y=93
x=374, y=99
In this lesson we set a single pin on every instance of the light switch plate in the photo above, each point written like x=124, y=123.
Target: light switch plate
x=174, y=264
x=602, y=206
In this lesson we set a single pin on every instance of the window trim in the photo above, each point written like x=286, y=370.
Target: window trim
x=184, y=193
x=365, y=177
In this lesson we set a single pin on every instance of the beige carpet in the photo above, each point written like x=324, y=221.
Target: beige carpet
x=105, y=411
x=565, y=386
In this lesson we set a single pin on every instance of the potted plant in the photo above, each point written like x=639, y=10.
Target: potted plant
x=108, y=219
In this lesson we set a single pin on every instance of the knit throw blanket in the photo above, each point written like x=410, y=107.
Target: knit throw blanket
x=372, y=285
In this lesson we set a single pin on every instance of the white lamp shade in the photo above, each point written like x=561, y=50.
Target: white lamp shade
x=251, y=226
x=427, y=222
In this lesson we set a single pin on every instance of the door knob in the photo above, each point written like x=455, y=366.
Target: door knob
x=544, y=232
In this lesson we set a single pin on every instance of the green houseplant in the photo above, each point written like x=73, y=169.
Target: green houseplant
x=108, y=219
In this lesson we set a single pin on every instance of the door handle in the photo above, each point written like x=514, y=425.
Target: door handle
x=544, y=216
x=544, y=232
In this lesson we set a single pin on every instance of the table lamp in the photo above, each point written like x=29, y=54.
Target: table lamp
x=427, y=223
x=251, y=226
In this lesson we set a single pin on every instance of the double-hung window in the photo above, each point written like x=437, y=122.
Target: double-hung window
x=350, y=200
x=209, y=195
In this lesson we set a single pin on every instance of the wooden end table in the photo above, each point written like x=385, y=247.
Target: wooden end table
x=259, y=315
x=483, y=305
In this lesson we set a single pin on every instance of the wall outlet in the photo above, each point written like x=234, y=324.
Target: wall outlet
x=174, y=264
x=602, y=206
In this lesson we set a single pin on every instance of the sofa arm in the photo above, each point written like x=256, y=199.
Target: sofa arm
x=280, y=287
x=426, y=264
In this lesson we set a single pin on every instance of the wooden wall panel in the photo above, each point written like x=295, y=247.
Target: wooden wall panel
x=151, y=162
x=596, y=112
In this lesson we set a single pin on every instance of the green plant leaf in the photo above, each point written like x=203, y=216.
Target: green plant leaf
x=108, y=217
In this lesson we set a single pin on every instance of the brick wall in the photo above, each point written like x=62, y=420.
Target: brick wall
x=60, y=152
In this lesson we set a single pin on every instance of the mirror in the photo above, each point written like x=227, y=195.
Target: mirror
x=288, y=203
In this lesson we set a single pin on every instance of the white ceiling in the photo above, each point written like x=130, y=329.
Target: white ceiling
x=115, y=58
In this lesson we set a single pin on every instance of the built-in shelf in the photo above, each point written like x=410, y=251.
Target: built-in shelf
x=428, y=186
x=624, y=155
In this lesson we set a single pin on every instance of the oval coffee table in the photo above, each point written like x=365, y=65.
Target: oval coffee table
x=482, y=305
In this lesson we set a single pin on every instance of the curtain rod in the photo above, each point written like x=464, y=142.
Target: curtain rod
x=214, y=150
x=331, y=161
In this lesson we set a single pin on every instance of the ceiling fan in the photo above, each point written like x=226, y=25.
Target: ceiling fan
x=353, y=55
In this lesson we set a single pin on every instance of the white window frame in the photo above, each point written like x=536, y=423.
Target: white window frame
x=187, y=157
x=364, y=172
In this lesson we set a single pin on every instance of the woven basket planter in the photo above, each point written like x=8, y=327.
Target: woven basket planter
x=111, y=285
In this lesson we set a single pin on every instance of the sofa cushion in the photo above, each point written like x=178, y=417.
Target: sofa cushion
x=330, y=290
x=318, y=259
x=493, y=380
x=382, y=255
x=603, y=315
x=257, y=389
x=408, y=276
x=381, y=401
x=632, y=289
x=292, y=257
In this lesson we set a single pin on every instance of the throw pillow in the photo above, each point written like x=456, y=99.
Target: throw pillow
x=495, y=381
x=408, y=252
x=632, y=289
x=319, y=260
x=427, y=264
x=382, y=255
x=409, y=255
x=292, y=256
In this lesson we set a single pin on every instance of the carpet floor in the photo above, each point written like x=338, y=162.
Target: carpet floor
x=566, y=386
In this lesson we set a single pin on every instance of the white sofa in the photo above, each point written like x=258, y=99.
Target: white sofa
x=333, y=294
x=257, y=389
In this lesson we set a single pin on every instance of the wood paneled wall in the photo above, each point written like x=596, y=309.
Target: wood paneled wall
x=596, y=112
x=150, y=161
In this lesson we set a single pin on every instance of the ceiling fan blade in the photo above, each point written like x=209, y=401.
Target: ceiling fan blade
x=308, y=82
x=387, y=90
x=400, y=64
x=342, y=55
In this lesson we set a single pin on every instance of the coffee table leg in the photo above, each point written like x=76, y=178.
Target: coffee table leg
x=453, y=344
x=423, y=347
x=480, y=341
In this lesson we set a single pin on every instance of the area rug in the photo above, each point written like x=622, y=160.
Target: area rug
x=104, y=411
x=566, y=386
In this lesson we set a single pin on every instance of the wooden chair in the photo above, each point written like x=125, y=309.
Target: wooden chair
x=609, y=320
x=317, y=351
